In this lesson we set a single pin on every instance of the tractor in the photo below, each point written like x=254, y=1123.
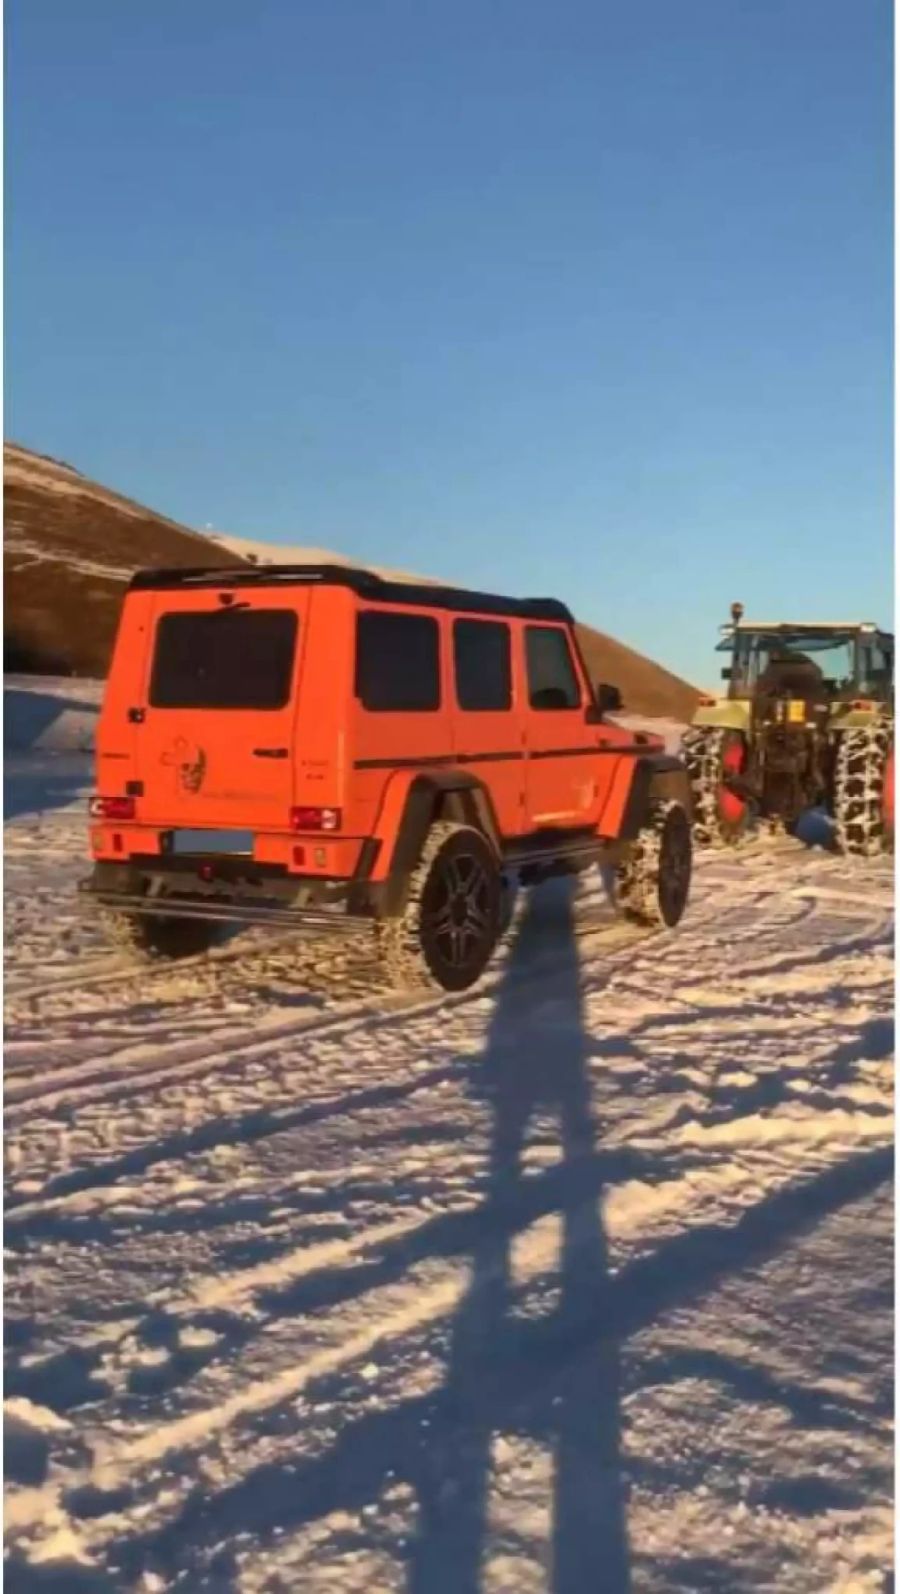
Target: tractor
x=807, y=722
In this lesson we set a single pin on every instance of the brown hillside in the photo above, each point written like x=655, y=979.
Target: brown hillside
x=646, y=687
x=69, y=549
x=71, y=545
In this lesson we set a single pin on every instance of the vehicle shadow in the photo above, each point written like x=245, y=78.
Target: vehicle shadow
x=534, y=1074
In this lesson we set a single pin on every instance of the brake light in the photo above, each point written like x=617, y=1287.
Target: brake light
x=315, y=819
x=112, y=808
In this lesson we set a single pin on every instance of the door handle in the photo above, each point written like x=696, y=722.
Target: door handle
x=270, y=752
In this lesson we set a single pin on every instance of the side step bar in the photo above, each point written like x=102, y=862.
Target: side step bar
x=313, y=921
x=587, y=848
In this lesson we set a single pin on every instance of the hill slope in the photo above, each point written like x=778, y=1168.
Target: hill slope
x=646, y=688
x=71, y=545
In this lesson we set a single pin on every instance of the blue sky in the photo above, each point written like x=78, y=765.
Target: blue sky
x=547, y=296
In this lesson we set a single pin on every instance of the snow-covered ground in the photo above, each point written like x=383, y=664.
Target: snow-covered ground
x=578, y=1282
x=50, y=713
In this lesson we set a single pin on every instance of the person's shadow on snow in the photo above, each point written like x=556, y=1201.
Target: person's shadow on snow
x=534, y=1074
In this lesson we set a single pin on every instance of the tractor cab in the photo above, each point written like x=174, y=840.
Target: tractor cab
x=827, y=662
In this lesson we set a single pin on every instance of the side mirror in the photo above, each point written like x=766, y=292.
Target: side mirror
x=608, y=698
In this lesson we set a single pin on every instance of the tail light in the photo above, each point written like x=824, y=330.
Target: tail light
x=112, y=808
x=315, y=819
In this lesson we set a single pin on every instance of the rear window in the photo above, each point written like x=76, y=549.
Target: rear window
x=397, y=662
x=481, y=665
x=224, y=658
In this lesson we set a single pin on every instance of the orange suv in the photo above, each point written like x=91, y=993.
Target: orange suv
x=310, y=746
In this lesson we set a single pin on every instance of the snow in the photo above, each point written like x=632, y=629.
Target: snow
x=50, y=714
x=30, y=553
x=24, y=1417
x=581, y=1279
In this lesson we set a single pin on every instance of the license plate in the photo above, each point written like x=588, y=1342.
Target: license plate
x=205, y=841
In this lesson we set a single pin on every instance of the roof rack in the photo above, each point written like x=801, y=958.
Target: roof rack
x=364, y=582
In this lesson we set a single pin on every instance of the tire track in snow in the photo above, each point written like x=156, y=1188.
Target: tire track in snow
x=100, y=1069
x=681, y=1184
x=98, y=973
x=262, y=1120
x=89, y=978
x=196, y=1060
x=757, y=1150
x=677, y=1268
x=95, y=1080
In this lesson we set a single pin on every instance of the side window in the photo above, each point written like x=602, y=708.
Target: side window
x=875, y=666
x=552, y=682
x=481, y=665
x=397, y=669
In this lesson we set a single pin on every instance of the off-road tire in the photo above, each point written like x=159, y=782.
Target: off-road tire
x=457, y=877
x=146, y=939
x=705, y=750
x=858, y=799
x=653, y=880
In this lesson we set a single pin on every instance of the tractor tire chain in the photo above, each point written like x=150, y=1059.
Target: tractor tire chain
x=859, y=776
x=702, y=750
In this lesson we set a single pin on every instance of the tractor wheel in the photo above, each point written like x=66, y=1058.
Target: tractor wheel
x=887, y=801
x=721, y=817
x=863, y=797
x=654, y=878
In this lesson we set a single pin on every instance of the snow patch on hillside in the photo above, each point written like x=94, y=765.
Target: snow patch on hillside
x=24, y=468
